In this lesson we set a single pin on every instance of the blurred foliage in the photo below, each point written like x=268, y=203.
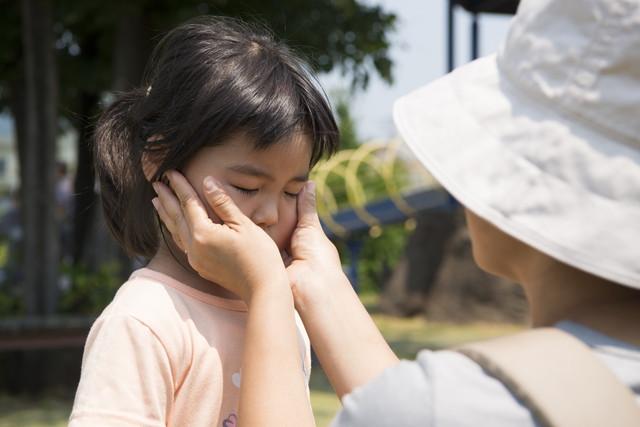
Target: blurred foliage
x=89, y=291
x=11, y=298
x=379, y=253
x=11, y=303
x=345, y=35
x=84, y=290
x=348, y=135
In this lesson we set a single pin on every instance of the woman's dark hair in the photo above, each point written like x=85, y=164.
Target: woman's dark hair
x=210, y=79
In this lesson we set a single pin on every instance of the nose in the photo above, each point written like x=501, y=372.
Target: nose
x=266, y=214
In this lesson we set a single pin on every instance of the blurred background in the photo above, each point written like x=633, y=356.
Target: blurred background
x=402, y=239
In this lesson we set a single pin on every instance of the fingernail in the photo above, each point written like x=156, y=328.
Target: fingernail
x=310, y=187
x=155, y=202
x=210, y=184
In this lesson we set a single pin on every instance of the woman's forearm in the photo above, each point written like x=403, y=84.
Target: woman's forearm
x=348, y=344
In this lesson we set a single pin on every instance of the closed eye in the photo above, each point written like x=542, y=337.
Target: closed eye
x=245, y=191
x=251, y=192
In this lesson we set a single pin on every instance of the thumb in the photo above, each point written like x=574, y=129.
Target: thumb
x=307, y=213
x=223, y=206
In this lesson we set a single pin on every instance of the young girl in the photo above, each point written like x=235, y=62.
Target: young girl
x=226, y=100
x=541, y=144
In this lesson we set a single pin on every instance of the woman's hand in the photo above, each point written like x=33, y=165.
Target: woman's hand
x=349, y=346
x=234, y=253
x=315, y=264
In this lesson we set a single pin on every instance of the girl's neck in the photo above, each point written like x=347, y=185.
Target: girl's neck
x=174, y=263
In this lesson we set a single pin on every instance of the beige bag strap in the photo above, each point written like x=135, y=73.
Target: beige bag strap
x=558, y=377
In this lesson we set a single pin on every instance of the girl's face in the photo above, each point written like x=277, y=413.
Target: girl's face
x=263, y=183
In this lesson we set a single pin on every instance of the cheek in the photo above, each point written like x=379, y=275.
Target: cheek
x=287, y=221
x=290, y=220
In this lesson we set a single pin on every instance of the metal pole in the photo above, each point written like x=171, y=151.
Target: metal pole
x=474, y=36
x=450, y=37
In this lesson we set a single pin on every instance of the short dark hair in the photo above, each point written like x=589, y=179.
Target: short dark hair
x=209, y=79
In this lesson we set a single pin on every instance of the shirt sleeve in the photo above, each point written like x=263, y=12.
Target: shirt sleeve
x=441, y=388
x=126, y=376
x=304, y=346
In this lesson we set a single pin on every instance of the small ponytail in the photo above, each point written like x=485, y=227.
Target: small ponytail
x=126, y=193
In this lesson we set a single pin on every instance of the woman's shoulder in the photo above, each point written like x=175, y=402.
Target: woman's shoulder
x=599, y=341
x=621, y=358
x=438, y=388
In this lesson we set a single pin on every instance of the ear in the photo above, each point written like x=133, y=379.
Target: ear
x=151, y=161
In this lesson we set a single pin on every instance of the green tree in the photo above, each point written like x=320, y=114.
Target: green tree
x=348, y=136
x=89, y=48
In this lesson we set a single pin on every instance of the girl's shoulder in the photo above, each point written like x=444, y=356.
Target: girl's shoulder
x=148, y=280
x=167, y=307
x=144, y=291
x=140, y=302
x=150, y=291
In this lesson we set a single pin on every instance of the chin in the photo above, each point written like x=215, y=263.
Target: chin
x=496, y=270
x=486, y=265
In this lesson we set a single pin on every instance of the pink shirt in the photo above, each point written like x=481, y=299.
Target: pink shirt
x=163, y=353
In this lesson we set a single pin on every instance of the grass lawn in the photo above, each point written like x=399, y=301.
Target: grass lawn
x=406, y=337
x=28, y=412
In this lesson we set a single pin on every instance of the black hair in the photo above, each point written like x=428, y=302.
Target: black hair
x=210, y=79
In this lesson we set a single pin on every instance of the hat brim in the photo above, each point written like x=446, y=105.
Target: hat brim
x=536, y=173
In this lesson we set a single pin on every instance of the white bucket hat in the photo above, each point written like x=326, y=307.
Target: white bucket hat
x=543, y=139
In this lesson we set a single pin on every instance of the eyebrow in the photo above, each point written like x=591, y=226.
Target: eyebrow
x=257, y=172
